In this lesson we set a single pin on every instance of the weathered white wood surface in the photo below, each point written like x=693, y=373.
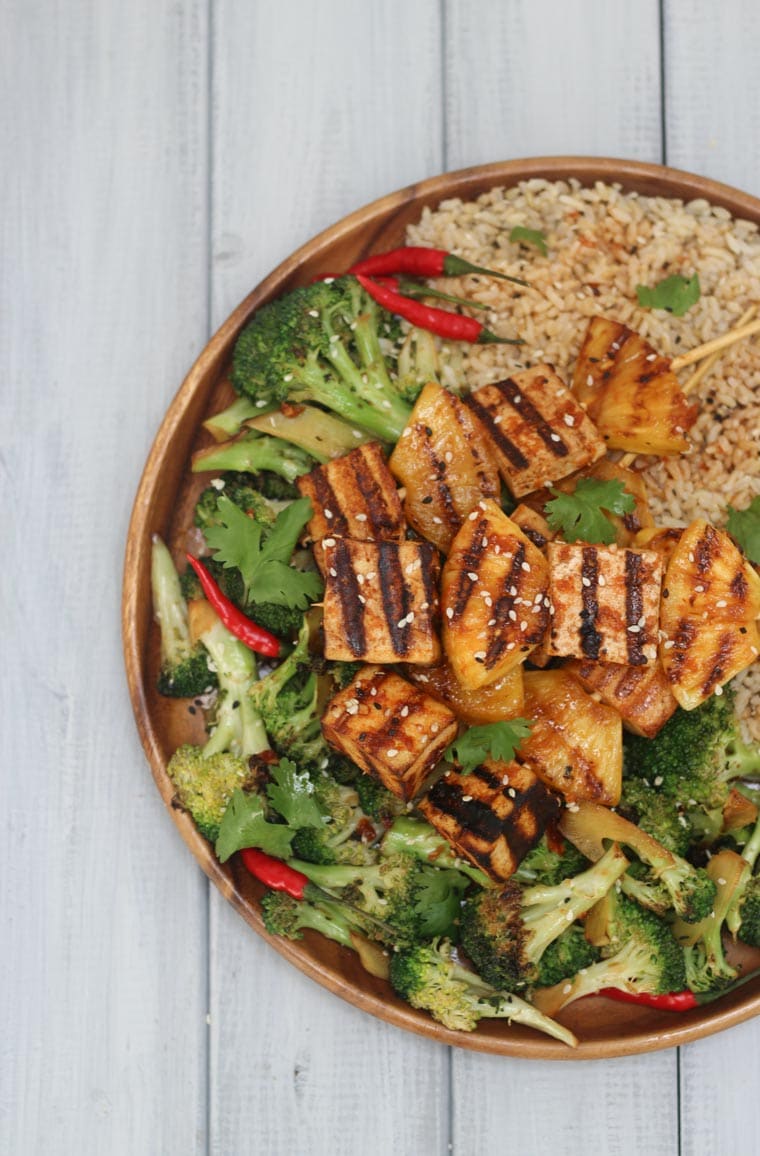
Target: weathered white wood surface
x=157, y=160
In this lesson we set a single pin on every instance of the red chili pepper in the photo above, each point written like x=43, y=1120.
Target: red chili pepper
x=672, y=1001
x=274, y=873
x=254, y=637
x=413, y=289
x=453, y=326
x=419, y=261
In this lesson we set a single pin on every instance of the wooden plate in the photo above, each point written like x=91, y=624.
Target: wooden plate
x=164, y=505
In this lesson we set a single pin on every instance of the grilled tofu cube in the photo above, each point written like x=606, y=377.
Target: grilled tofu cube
x=631, y=393
x=605, y=602
x=575, y=744
x=353, y=496
x=641, y=695
x=389, y=728
x=710, y=607
x=380, y=601
x=445, y=462
x=533, y=525
x=493, y=598
x=499, y=700
x=539, y=431
x=493, y=816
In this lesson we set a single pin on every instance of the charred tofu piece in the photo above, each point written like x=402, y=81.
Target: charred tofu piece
x=630, y=391
x=539, y=431
x=641, y=695
x=575, y=744
x=494, y=598
x=709, y=615
x=380, y=602
x=391, y=729
x=354, y=496
x=445, y=462
x=605, y=602
x=533, y=525
x=493, y=816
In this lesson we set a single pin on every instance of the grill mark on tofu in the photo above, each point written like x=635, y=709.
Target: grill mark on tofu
x=380, y=517
x=470, y=565
x=720, y=660
x=506, y=602
x=351, y=608
x=512, y=393
x=475, y=817
x=634, y=609
x=488, y=777
x=328, y=500
x=530, y=807
x=507, y=447
x=396, y=596
x=591, y=639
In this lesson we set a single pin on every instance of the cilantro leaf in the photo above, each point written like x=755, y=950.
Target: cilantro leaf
x=745, y=527
x=437, y=899
x=530, y=237
x=497, y=740
x=237, y=542
x=291, y=793
x=676, y=294
x=244, y=825
x=580, y=515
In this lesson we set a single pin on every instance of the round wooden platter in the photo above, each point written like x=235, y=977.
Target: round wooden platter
x=164, y=504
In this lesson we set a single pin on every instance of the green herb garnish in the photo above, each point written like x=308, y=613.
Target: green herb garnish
x=676, y=294
x=244, y=824
x=580, y=516
x=744, y=525
x=497, y=740
x=530, y=237
x=291, y=793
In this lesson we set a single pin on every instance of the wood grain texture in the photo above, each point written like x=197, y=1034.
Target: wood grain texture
x=539, y=78
x=104, y=304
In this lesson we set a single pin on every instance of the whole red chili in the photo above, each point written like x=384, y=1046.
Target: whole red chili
x=254, y=637
x=419, y=261
x=677, y=1000
x=453, y=326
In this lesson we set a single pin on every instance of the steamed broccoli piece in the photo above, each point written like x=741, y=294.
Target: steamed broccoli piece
x=415, y=900
x=322, y=343
x=543, y=865
x=228, y=422
x=743, y=917
x=238, y=489
x=274, y=487
x=252, y=452
x=344, y=672
x=658, y=814
x=204, y=785
x=506, y=932
x=566, y=956
x=185, y=670
x=280, y=620
x=377, y=801
x=415, y=837
x=429, y=978
x=346, y=836
x=237, y=725
x=291, y=917
x=641, y=955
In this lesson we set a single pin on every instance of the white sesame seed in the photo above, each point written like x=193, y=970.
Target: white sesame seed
x=719, y=690
x=333, y=572
x=585, y=581
x=479, y=654
x=472, y=575
x=449, y=612
x=328, y=541
x=569, y=419
x=361, y=517
x=513, y=616
x=466, y=798
x=555, y=437
x=526, y=567
x=391, y=752
x=437, y=521
x=590, y=379
x=328, y=514
x=602, y=580
x=721, y=603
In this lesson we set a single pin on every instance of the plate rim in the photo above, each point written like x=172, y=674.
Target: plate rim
x=655, y=1033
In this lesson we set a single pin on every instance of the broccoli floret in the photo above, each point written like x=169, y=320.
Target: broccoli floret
x=322, y=343
x=415, y=837
x=377, y=801
x=291, y=917
x=707, y=969
x=506, y=932
x=237, y=726
x=274, y=487
x=691, y=889
x=238, y=489
x=641, y=955
x=415, y=900
x=280, y=620
x=543, y=865
x=658, y=814
x=743, y=918
x=429, y=978
x=566, y=956
x=344, y=672
x=252, y=452
x=694, y=758
x=185, y=670
x=346, y=837
x=204, y=785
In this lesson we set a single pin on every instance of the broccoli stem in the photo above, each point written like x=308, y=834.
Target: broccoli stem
x=239, y=727
x=252, y=452
x=229, y=421
x=417, y=838
x=169, y=606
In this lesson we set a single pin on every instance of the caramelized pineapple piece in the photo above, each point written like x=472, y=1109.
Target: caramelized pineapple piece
x=627, y=526
x=533, y=524
x=575, y=744
x=389, y=728
x=708, y=618
x=662, y=539
x=493, y=816
x=538, y=430
x=444, y=461
x=629, y=390
x=641, y=695
x=493, y=598
x=499, y=700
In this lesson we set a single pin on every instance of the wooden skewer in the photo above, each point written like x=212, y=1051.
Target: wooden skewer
x=710, y=361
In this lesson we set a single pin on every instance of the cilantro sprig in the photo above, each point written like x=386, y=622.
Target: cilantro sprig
x=245, y=824
x=580, y=516
x=497, y=740
x=532, y=237
x=262, y=556
x=676, y=294
x=744, y=525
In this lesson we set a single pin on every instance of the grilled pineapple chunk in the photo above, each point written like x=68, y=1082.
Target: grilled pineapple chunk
x=575, y=744
x=627, y=526
x=493, y=816
x=641, y=695
x=493, y=597
x=380, y=601
x=708, y=618
x=444, y=461
x=662, y=539
x=538, y=430
x=499, y=700
x=389, y=728
x=629, y=390
x=532, y=524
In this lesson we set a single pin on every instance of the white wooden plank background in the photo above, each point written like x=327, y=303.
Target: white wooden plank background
x=157, y=160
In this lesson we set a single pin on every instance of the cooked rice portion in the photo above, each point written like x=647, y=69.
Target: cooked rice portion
x=601, y=244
